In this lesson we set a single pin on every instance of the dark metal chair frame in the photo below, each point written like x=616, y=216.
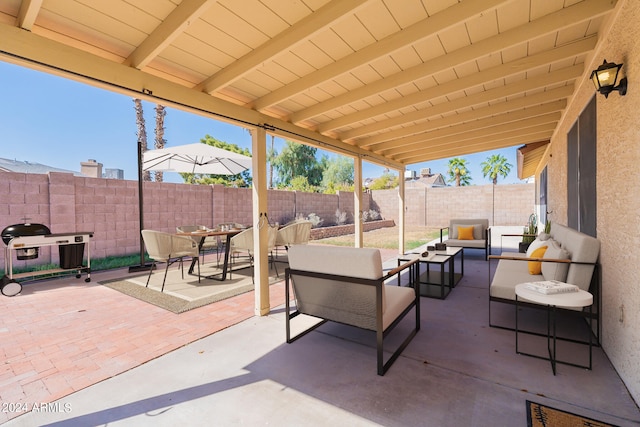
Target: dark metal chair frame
x=381, y=334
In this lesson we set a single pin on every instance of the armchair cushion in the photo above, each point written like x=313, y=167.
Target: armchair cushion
x=365, y=263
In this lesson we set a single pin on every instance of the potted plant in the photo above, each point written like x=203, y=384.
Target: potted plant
x=529, y=233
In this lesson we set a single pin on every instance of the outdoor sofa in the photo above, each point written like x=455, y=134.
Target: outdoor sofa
x=571, y=257
x=347, y=285
x=459, y=234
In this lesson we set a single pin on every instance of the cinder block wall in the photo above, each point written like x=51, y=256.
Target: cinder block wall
x=109, y=208
x=433, y=207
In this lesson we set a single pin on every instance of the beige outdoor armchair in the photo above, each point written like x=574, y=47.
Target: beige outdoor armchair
x=210, y=243
x=349, y=286
x=169, y=248
x=296, y=233
x=243, y=243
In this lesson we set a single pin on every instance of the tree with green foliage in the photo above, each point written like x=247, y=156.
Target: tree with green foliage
x=297, y=160
x=338, y=174
x=459, y=172
x=300, y=183
x=385, y=181
x=495, y=165
x=240, y=180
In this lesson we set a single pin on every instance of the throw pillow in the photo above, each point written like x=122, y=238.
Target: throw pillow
x=538, y=242
x=555, y=270
x=465, y=233
x=453, y=231
x=535, y=267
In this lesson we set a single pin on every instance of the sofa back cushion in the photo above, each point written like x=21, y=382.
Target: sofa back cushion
x=582, y=248
x=555, y=270
x=338, y=300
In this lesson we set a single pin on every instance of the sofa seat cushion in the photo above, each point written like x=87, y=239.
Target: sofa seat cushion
x=508, y=274
x=466, y=243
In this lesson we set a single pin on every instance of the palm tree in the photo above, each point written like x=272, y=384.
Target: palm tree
x=496, y=165
x=142, y=133
x=458, y=171
x=160, y=141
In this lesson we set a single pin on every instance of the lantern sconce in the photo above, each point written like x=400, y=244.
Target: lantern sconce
x=605, y=76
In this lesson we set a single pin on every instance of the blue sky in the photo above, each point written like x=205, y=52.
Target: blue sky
x=60, y=123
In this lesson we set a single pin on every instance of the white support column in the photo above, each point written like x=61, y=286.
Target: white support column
x=357, y=201
x=401, y=212
x=260, y=221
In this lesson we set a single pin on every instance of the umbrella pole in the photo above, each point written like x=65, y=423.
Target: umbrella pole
x=142, y=266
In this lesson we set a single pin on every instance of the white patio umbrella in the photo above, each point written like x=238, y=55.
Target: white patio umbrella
x=196, y=158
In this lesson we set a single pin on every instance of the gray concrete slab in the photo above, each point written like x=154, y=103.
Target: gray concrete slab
x=457, y=371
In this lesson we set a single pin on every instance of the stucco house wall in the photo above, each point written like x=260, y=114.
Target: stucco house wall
x=618, y=193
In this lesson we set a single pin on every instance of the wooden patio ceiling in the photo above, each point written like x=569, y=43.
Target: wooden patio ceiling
x=394, y=81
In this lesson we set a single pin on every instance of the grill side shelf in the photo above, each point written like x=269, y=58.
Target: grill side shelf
x=24, y=242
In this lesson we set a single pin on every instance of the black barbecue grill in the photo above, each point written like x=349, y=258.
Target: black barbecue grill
x=26, y=240
x=20, y=230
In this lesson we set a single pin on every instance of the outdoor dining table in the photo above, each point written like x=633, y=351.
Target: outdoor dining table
x=207, y=233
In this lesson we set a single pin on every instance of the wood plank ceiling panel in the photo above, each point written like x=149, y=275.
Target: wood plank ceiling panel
x=401, y=80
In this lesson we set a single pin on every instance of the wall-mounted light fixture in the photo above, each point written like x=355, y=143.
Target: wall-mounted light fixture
x=605, y=77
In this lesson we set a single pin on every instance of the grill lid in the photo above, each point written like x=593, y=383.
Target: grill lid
x=28, y=229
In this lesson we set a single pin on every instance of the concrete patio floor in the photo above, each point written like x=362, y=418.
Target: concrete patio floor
x=100, y=358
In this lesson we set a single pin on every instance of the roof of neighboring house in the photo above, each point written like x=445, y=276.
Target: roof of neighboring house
x=435, y=180
x=20, y=166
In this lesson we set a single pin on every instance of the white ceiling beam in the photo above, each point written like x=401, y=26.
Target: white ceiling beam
x=33, y=51
x=28, y=13
x=169, y=29
x=292, y=36
x=516, y=88
x=449, y=17
x=467, y=132
x=498, y=72
x=549, y=23
x=412, y=142
x=553, y=99
x=481, y=145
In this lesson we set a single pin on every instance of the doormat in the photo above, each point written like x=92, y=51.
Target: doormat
x=539, y=415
